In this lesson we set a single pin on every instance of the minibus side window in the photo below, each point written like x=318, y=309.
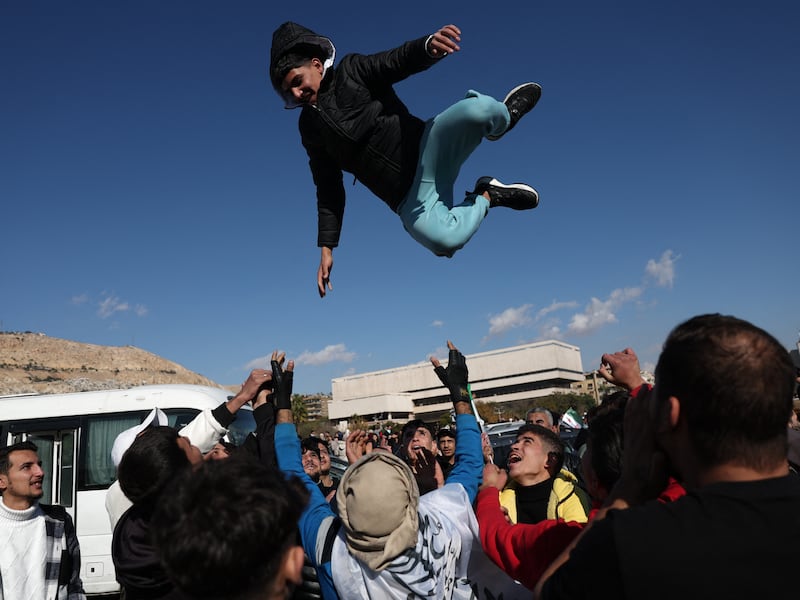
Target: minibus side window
x=67, y=482
x=98, y=470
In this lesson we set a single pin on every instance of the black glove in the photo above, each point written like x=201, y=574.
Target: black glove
x=282, y=386
x=455, y=377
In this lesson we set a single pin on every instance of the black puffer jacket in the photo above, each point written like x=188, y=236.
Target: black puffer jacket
x=359, y=125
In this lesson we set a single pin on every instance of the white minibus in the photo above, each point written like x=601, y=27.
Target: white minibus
x=74, y=434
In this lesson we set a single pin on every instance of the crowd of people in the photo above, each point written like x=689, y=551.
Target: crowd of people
x=683, y=486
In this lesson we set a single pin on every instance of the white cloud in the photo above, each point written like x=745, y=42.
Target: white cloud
x=80, y=299
x=510, y=318
x=437, y=323
x=111, y=305
x=663, y=270
x=601, y=312
x=329, y=354
x=554, y=306
x=551, y=332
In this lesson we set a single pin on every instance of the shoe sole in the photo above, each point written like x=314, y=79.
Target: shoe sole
x=494, y=138
x=485, y=183
x=519, y=87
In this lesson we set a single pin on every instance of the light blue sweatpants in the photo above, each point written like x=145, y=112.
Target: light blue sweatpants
x=450, y=137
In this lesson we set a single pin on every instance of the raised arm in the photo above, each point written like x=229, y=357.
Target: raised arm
x=392, y=66
x=469, y=456
x=318, y=518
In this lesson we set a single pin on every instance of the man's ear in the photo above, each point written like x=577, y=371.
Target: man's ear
x=552, y=461
x=317, y=64
x=292, y=565
x=3, y=482
x=674, y=411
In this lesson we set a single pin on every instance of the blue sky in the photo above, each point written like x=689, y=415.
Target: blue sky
x=155, y=192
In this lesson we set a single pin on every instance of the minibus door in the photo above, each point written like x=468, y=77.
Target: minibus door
x=57, y=451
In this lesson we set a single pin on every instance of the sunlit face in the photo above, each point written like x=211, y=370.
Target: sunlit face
x=303, y=82
x=447, y=446
x=527, y=461
x=218, y=452
x=311, y=464
x=324, y=459
x=192, y=452
x=417, y=439
x=22, y=486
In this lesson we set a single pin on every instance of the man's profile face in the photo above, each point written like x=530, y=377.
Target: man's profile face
x=311, y=464
x=303, y=82
x=447, y=446
x=527, y=462
x=22, y=485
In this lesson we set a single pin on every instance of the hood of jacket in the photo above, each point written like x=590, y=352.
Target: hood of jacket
x=292, y=37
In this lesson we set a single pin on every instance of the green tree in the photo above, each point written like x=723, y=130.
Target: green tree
x=356, y=422
x=486, y=411
x=299, y=408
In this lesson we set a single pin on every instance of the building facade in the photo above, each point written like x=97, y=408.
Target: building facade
x=518, y=373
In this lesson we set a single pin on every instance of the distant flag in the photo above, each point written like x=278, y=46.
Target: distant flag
x=572, y=419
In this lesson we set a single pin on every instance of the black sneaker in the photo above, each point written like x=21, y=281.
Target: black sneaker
x=515, y=195
x=519, y=102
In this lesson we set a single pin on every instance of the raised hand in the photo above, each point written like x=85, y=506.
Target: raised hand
x=282, y=381
x=622, y=369
x=444, y=41
x=455, y=377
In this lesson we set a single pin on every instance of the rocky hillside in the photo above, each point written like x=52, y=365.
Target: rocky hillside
x=35, y=363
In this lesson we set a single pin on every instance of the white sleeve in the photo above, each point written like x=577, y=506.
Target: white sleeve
x=204, y=431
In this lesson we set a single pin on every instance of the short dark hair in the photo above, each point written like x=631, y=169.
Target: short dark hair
x=415, y=424
x=605, y=436
x=310, y=444
x=551, y=442
x=734, y=382
x=299, y=56
x=5, y=461
x=153, y=460
x=224, y=528
x=608, y=403
x=445, y=433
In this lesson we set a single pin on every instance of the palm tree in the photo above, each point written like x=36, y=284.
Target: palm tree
x=299, y=410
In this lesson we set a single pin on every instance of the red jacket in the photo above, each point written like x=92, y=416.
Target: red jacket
x=523, y=551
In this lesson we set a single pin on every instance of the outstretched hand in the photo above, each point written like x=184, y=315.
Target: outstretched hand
x=356, y=445
x=424, y=464
x=282, y=381
x=324, y=271
x=622, y=369
x=444, y=41
x=455, y=376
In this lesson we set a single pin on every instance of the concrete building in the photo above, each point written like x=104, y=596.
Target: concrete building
x=518, y=373
x=316, y=406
